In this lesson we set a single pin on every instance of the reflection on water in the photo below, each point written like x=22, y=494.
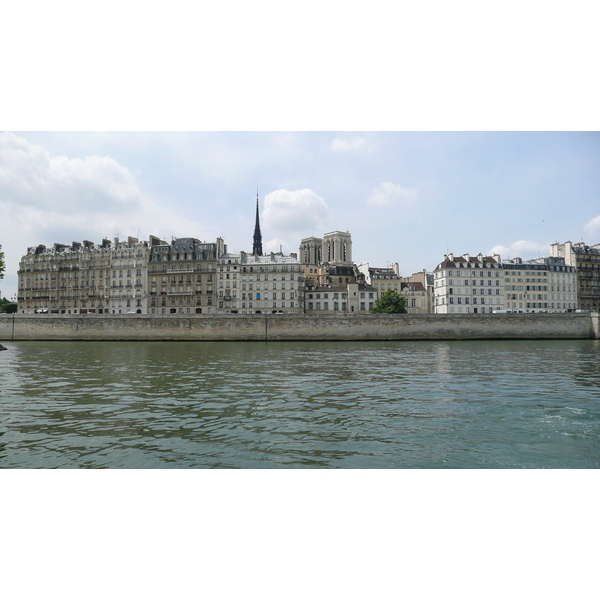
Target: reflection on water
x=496, y=404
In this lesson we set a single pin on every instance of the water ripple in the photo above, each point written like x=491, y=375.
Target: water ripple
x=500, y=404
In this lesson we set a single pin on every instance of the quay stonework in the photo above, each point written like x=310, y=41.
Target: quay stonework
x=269, y=327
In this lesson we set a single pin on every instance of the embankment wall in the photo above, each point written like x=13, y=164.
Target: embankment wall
x=299, y=327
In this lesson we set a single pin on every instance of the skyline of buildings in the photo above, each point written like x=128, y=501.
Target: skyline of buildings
x=190, y=276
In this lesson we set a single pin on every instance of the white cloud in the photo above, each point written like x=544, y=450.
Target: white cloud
x=46, y=199
x=275, y=245
x=30, y=177
x=592, y=228
x=350, y=145
x=389, y=194
x=522, y=249
x=294, y=211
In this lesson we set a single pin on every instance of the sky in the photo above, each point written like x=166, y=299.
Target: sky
x=406, y=197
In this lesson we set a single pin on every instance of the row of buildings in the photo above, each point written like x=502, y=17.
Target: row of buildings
x=566, y=281
x=189, y=276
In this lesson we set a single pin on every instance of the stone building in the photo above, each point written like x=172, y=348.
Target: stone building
x=85, y=278
x=358, y=298
x=539, y=285
x=328, y=260
x=382, y=278
x=422, y=282
x=314, y=275
x=486, y=284
x=65, y=279
x=182, y=276
x=415, y=288
x=417, y=301
x=311, y=251
x=468, y=284
x=586, y=260
x=129, y=276
x=334, y=248
x=255, y=284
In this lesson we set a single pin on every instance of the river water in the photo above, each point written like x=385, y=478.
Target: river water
x=459, y=404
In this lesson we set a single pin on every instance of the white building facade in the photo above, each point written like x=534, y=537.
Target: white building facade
x=254, y=284
x=468, y=284
x=486, y=284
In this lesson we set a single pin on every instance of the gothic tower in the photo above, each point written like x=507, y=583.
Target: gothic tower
x=257, y=241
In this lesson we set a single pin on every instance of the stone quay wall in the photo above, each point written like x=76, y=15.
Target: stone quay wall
x=298, y=327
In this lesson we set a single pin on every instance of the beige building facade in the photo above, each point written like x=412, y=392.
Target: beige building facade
x=357, y=298
x=539, y=285
x=586, y=261
x=71, y=279
x=182, y=276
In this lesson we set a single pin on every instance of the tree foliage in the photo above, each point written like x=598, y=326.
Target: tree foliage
x=2, y=265
x=10, y=307
x=390, y=302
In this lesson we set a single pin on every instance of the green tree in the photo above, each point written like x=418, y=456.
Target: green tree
x=11, y=307
x=2, y=265
x=390, y=302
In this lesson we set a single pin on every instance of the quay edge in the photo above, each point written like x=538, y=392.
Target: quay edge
x=48, y=327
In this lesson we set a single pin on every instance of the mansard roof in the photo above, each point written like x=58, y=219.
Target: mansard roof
x=468, y=261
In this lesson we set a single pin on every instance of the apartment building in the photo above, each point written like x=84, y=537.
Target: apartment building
x=540, y=285
x=358, y=298
x=468, y=284
x=182, y=276
x=586, y=261
x=85, y=278
x=485, y=284
x=255, y=284
x=417, y=301
x=422, y=283
x=129, y=276
x=417, y=289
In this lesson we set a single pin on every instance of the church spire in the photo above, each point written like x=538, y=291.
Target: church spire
x=257, y=241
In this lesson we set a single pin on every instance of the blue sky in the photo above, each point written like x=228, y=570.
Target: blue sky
x=405, y=196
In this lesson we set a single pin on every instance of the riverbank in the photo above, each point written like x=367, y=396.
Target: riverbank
x=16, y=327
